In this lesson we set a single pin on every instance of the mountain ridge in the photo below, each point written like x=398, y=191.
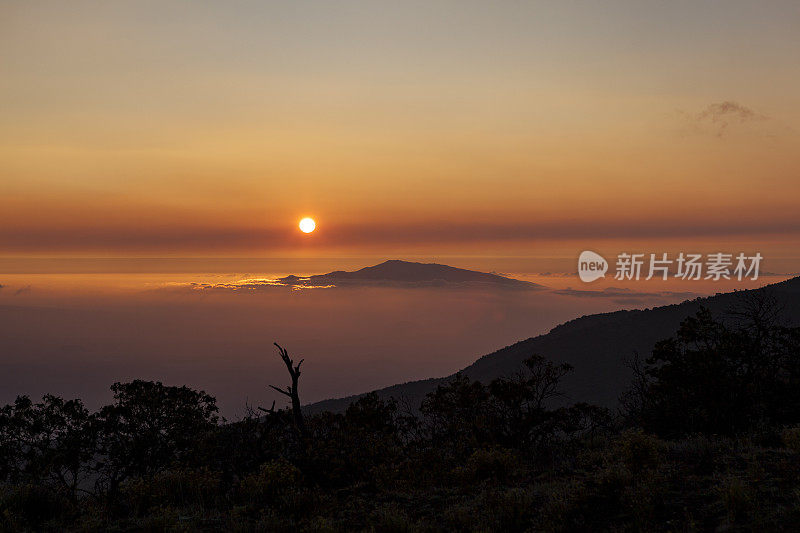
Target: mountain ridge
x=409, y=273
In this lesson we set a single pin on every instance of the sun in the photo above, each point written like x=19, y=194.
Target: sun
x=307, y=225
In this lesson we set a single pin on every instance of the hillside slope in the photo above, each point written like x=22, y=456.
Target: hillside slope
x=596, y=345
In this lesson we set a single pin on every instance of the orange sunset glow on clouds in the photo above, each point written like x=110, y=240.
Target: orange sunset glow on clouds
x=150, y=129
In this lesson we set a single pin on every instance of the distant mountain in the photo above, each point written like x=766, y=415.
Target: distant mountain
x=596, y=345
x=406, y=273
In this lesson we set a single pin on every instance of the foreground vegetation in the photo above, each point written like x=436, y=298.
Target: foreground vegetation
x=709, y=438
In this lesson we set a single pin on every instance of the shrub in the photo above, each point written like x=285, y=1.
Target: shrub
x=496, y=463
x=698, y=452
x=278, y=484
x=638, y=450
x=26, y=507
x=737, y=499
x=179, y=488
x=390, y=519
x=790, y=437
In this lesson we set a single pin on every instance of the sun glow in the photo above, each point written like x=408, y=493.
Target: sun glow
x=307, y=225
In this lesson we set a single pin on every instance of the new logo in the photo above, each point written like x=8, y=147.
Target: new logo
x=591, y=266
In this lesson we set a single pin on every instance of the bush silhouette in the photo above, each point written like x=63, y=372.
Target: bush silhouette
x=718, y=378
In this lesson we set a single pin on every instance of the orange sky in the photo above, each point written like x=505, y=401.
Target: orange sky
x=155, y=129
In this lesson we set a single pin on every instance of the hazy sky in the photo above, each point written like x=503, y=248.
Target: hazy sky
x=199, y=128
x=406, y=129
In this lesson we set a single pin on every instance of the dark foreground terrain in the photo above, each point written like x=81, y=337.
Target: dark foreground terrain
x=707, y=437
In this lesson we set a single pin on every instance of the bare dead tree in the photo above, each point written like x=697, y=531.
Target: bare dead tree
x=291, y=390
x=758, y=310
x=633, y=400
x=270, y=411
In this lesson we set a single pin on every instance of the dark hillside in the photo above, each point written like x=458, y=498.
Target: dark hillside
x=596, y=345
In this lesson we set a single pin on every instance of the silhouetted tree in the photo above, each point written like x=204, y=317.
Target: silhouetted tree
x=291, y=390
x=50, y=442
x=522, y=403
x=714, y=377
x=150, y=427
x=516, y=412
x=348, y=447
x=457, y=416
